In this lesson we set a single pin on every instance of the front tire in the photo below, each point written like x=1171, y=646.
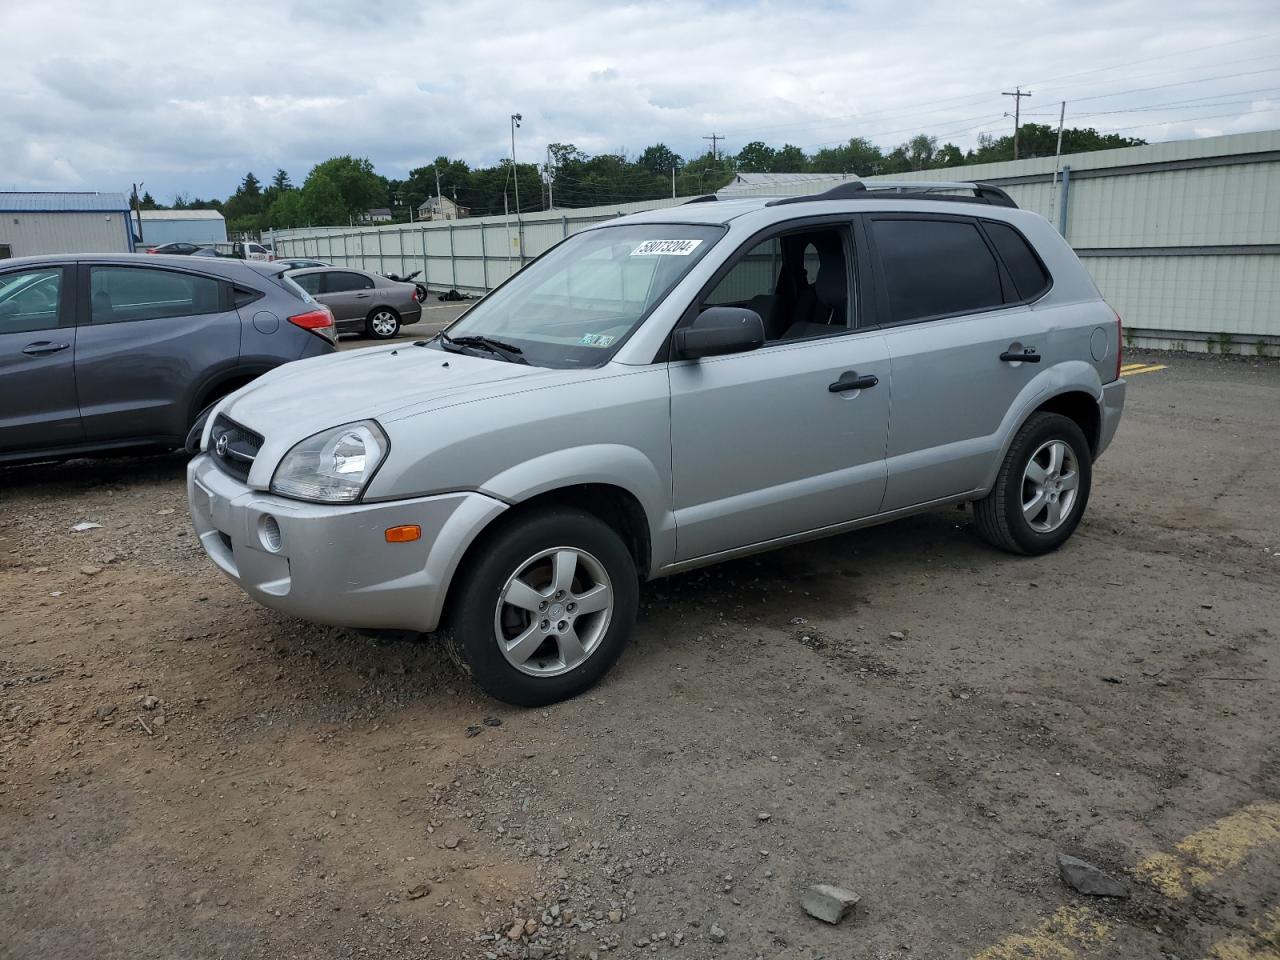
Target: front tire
x=546, y=608
x=1042, y=489
x=383, y=323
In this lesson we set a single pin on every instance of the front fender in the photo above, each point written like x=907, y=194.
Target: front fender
x=1071, y=376
x=616, y=465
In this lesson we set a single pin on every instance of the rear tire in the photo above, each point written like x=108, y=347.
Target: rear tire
x=1042, y=490
x=546, y=607
x=383, y=323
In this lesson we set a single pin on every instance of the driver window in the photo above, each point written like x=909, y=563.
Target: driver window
x=29, y=300
x=798, y=283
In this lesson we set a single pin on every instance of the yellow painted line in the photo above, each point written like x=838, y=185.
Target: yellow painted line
x=1196, y=861
x=1263, y=944
x=1208, y=853
x=1131, y=366
x=1054, y=939
x=1147, y=368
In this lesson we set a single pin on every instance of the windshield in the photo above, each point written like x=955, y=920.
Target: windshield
x=575, y=306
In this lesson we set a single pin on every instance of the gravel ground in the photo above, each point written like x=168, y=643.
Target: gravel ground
x=901, y=711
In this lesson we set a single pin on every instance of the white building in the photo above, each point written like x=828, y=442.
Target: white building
x=182, y=226
x=442, y=208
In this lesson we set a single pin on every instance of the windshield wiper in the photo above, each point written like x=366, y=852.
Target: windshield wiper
x=507, y=351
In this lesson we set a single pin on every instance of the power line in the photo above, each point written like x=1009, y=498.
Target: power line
x=713, y=138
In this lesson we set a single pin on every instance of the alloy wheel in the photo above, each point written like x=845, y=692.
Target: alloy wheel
x=553, y=611
x=1050, y=485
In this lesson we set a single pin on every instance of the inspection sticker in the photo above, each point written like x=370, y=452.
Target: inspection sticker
x=665, y=248
x=596, y=340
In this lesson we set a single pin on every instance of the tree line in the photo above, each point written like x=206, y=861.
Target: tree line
x=340, y=190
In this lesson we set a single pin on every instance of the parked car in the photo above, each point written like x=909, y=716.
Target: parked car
x=362, y=302
x=208, y=251
x=245, y=250
x=299, y=264
x=664, y=391
x=175, y=249
x=103, y=352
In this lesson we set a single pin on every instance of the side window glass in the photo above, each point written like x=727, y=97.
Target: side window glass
x=936, y=267
x=341, y=282
x=1028, y=274
x=309, y=282
x=29, y=300
x=798, y=283
x=119, y=294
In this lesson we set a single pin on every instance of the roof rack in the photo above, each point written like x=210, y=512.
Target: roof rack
x=909, y=189
x=707, y=199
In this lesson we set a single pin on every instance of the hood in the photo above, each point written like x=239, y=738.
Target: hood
x=302, y=398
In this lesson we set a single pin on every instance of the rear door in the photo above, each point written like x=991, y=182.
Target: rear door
x=146, y=338
x=349, y=295
x=954, y=322
x=38, y=408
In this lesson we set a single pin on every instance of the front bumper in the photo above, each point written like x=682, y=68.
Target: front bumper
x=1112, y=407
x=331, y=563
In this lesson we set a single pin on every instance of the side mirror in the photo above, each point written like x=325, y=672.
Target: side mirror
x=719, y=330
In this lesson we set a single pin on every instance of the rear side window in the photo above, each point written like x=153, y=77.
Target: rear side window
x=339, y=282
x=119, y=294
x=30, y=299
x=936, y=267
x=1029, y=275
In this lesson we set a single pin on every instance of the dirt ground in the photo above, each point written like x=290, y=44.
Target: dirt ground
x=902, y=711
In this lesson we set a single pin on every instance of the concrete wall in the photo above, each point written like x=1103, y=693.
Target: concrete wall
x=36, y=233
x=1183, y=238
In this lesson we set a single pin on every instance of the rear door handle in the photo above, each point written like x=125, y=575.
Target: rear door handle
x=362, y=296
x=1014, y=356
x=41, y=347
x=851, y=381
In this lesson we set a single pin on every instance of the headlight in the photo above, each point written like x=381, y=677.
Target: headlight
x=333, y=466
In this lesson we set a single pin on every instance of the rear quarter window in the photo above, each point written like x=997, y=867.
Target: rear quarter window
x=1028, y=273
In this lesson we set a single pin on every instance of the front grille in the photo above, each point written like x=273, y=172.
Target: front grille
x=234, y=448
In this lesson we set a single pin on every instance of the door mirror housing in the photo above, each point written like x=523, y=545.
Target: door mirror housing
x=717, y=331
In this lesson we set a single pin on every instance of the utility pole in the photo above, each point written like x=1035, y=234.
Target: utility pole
x=137, y=208
x=551, y=182
x=714, y=138
x=1057, y=162
x=1017, y=95
x=673, y=181
x=515, y=175
x=439, y=198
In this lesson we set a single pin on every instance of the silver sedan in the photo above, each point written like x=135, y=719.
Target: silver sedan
x=362, y=302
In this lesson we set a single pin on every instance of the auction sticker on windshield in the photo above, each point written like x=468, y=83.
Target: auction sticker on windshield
x=666, y=248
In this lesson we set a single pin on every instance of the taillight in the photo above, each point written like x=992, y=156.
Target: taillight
x=152, y=250
x=318, y=321
x=1119, y=341
x=415, y=295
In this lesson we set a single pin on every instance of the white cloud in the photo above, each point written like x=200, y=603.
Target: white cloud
x=190, y=96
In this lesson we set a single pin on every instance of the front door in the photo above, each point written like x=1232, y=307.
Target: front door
x=38, y=408
x=349, y=295
x=778, y=441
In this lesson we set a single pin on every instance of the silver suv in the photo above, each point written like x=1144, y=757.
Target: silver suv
x=661, y=392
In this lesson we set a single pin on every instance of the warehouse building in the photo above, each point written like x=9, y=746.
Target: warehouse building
x=35, y=223
x=181, y=226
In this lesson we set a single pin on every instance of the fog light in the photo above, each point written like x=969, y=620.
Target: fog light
x=404, y=534
x=269, y=533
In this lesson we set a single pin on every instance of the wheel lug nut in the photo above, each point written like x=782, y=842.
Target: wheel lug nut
x=572, y=607
x=559, y=594
x=561, y=625
x=542, y=605
x=544, y=624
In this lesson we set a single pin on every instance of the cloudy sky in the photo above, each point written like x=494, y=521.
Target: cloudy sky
x=187, y=96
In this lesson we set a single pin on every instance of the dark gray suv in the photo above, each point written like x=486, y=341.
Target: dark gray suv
x=102, y=352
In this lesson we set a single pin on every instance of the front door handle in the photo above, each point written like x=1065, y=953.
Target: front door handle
x=362, y=296
x=1020, y=356
x=851, y=381
x=41, y=347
